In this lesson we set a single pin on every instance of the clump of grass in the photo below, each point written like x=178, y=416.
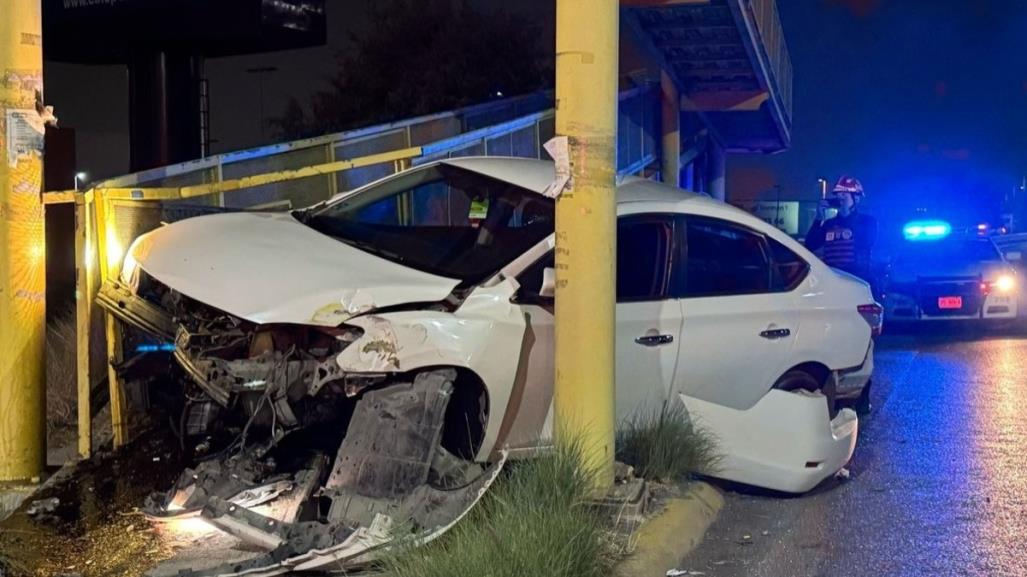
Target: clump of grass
x=663, y=444
x=61, y=388
x=534, y=521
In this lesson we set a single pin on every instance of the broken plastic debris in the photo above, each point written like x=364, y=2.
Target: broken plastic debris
x=842, y=474
x=43, y=506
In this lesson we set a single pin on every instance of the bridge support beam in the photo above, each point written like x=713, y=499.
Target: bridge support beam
x=717, y=172
x=587, y=36
x=670, y=105
x=22, y=244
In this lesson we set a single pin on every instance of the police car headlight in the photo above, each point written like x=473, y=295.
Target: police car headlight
x=1004, y=284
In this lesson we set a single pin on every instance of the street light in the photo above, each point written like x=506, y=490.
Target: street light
x=79, y=176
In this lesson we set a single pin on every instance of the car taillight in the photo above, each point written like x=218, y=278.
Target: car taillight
x=873, y=314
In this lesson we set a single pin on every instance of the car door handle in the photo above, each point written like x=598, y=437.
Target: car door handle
x=773, y=334
x=654, y=340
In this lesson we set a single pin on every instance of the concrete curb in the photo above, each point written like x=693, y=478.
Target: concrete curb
x=664, y=540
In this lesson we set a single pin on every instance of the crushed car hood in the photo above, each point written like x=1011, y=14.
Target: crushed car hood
x=271, y=268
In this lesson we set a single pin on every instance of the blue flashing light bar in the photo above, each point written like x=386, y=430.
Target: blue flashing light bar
x=163, y=347
x=926, y=230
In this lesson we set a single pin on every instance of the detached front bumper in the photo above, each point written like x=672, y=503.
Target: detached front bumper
x=786, y=442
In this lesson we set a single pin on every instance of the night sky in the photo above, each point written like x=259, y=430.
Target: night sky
x=924, y=100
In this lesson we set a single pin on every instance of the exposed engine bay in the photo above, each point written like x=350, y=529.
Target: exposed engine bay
x=292, y=455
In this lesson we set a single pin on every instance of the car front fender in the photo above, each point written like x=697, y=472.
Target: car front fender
x=485, y=335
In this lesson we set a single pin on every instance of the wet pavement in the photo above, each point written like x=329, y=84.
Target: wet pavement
x=938, y=483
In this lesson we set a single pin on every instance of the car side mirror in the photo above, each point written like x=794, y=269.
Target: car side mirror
x=1014, y=255
x=548, y=288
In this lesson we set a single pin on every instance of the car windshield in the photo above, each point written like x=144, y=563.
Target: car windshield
x=443, y=220
x=949, y=250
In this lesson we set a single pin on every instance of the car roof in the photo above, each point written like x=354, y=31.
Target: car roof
x=536, y=175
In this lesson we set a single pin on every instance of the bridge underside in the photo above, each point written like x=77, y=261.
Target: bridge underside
x=730, y=62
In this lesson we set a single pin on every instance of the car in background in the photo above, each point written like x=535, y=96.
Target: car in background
x=442, y=276
x=1014, y=248
x=941, y=275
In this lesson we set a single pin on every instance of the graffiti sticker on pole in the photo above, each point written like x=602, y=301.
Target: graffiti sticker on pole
x=25, y=134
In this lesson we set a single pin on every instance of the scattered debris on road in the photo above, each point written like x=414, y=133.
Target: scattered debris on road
x=43, y=507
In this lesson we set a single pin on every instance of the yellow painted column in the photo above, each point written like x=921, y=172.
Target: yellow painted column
x=22, y=249
x=670, y=104
x=83, y=325
x=586, y=112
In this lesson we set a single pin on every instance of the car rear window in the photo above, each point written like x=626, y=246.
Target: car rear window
x=787, y=268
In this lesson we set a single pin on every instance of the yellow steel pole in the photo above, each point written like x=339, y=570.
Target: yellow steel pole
x=670, y=104
x=83, y=327
x=22, y=248
x=586, y=113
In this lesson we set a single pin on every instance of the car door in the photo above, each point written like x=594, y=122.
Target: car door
x=648, y=312
x=740, y=319
x=648, y=325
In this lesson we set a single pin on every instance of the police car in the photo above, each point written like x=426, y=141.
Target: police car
x=939, y=274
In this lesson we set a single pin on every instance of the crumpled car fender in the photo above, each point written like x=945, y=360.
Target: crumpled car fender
x=485, y=335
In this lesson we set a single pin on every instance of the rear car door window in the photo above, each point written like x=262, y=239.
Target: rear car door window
x=724, y=259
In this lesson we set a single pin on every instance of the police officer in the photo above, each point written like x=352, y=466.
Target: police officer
x=847, y=240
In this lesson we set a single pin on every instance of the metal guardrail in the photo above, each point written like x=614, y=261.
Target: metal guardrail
x=405, y=133
x=512, y=127
x=109, y=217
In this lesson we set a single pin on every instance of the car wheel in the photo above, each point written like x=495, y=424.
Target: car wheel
x=798, y=379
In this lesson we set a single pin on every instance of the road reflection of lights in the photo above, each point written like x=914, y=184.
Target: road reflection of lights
x=1000, y=445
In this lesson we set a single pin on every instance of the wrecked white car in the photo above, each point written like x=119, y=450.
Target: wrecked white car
x=398, y=340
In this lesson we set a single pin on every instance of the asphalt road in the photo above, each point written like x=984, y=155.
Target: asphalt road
x=938, y=483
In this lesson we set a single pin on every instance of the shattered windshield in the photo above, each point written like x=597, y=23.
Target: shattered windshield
x=442, y=220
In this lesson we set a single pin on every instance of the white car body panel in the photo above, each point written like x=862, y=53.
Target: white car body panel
x=831, y=334
x=717, y=329
x=483, y=336
x=724, y=371
x=762, y=448
x=246, y=264
x=646, y=373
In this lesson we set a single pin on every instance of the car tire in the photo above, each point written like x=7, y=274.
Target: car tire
x=798, y=379
x=862, y=406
